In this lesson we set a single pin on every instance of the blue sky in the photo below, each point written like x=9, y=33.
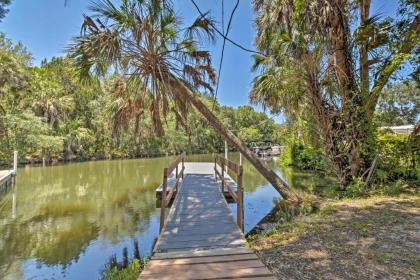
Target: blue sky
x=45, y=27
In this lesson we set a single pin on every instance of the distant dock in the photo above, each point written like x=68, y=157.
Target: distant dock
x=7, y=177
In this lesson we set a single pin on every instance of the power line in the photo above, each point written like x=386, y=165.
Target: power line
x=223, y=46
x=223, y=35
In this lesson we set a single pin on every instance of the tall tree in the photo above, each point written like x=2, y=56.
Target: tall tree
x=317, y=61
x=143, y=41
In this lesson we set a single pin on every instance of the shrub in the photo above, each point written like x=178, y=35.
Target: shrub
x=357, y=188
x=395, y=188
x=131, y=272
x=396, y=157
x=304, y=157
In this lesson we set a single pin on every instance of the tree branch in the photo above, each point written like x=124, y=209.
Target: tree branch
x=409, y=42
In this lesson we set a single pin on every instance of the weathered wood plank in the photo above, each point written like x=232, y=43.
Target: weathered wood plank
x=206, y=253
x=201, y=260
x=164, y=246
x=206, y=236
x=202, y=273
x=216, y=265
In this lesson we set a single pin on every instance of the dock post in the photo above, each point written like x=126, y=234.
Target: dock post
x=176, y=177
x=240, y=158
x=15, y=162
x=215, y=168
x=14, y=204
x=226, y=153
x=223, y=177
x=183, y=166
x=163, y=199
x=240, y=202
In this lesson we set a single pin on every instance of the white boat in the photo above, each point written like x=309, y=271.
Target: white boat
x=267, y=149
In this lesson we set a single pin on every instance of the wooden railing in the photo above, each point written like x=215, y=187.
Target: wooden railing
x=238, y=197
x=166, y=199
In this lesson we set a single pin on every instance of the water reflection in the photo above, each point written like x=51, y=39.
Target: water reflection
x=60, y=210
x=68, y=220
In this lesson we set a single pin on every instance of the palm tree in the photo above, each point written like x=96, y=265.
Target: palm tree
x=312, y=53
x=144, y=41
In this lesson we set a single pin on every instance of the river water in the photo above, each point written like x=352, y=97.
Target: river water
x=67, y=221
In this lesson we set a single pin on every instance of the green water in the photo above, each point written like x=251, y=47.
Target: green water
x=66, y=221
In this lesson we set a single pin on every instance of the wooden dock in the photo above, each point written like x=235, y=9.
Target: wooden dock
x=200, y=238
x=6, y=178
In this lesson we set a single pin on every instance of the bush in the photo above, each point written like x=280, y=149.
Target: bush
x=395, y=188
x=131, y=272
x=304, y=157
x=357, y=188
x=397, y=160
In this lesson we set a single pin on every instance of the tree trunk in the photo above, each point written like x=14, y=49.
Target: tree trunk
x=271, y=176
x=364, y=7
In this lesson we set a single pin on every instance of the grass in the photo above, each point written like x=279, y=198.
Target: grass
x=368, y=238
x=131, y=272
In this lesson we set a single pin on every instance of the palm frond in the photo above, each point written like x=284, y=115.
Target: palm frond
x=143, y=42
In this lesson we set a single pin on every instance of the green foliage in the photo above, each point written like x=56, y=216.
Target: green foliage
x=304, y=157
x=300, y=76
x=48, y=112
x=399, y=105
x=131, y=272
x=397, y=156
x=396, y=187
x=357, y=188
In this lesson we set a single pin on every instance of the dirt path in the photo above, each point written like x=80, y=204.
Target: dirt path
x=375, y=238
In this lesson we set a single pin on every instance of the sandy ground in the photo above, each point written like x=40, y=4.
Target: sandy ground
x=374, y=238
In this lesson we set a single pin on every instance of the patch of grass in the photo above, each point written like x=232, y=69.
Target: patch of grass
x=131, y=272
x=328, y=210
x=360, y=228
x=395, y=188
x=126, y=269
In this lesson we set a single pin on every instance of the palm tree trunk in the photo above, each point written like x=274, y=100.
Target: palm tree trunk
x=271, y=176
x=364, y=7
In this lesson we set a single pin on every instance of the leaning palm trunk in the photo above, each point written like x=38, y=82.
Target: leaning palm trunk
x=280, y=185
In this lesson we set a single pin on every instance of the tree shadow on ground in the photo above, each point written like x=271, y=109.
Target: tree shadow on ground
x=364, y=239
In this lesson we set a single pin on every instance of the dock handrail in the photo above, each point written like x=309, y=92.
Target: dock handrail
x=165, y=200
x=238, y=197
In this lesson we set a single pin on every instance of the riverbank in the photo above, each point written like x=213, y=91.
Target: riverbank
x=367, y=238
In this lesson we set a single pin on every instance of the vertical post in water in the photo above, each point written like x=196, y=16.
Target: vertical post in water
x=15, y=162
x=240, y=159
x=14, y=204
x=163, y=199
x=226, y=153
x=240, y=202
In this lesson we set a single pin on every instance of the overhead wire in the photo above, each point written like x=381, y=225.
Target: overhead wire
x=223, y=35
x=223, y=46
